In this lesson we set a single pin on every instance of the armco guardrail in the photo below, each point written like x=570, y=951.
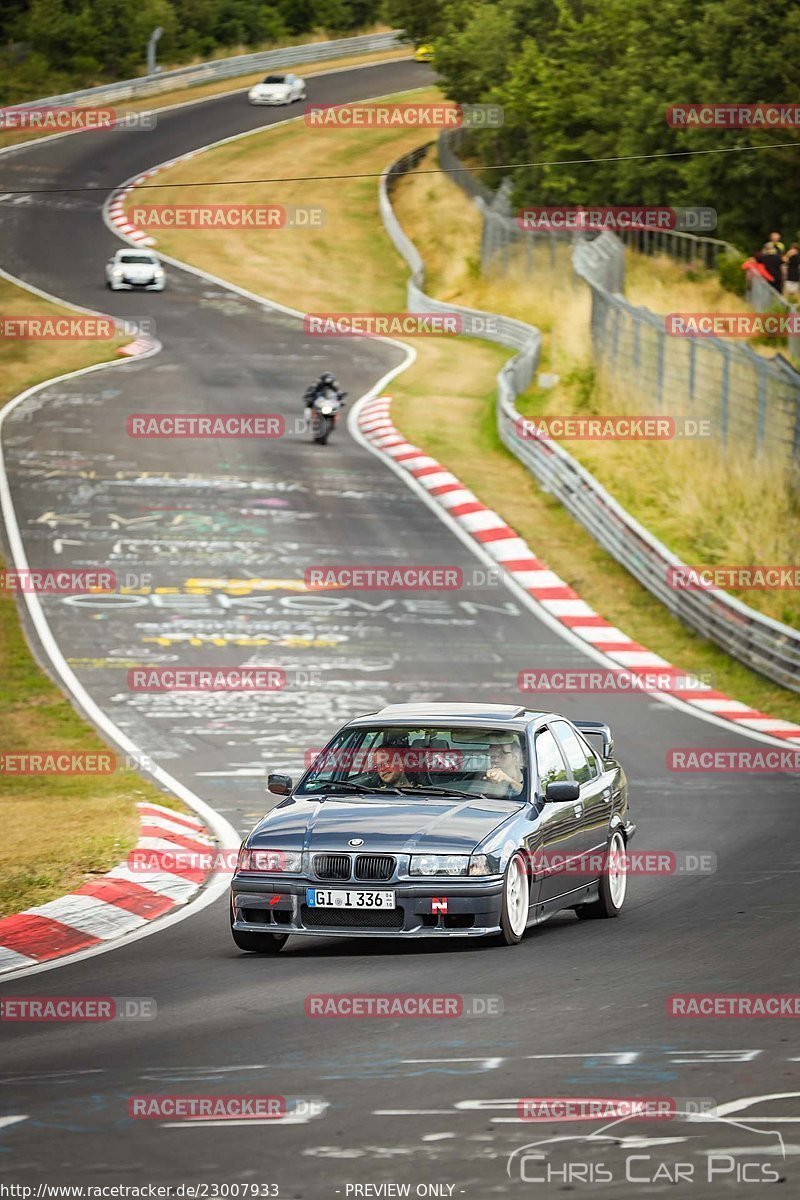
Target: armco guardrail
x=757, y=641
x=223, y=68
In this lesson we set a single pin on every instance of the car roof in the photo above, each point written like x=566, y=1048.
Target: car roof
x=514, y=716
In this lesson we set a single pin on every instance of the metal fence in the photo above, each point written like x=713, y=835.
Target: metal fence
x=765, y=645
x=750, y=401
x=224, y=68
x=689, y=248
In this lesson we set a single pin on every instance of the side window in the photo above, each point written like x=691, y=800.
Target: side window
x=549, y=763
x=595, y=766
x=582, y=765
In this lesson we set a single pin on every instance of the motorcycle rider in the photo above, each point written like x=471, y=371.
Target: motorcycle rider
x=325, y=381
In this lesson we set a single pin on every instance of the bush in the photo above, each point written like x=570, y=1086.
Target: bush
x=731, y=275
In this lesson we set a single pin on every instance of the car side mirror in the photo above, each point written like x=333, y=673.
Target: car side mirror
x=562, y=791
x=281, y=785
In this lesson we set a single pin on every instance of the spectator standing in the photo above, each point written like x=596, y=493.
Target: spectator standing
x=791, y=262
x=770, y=259
x=776, y=243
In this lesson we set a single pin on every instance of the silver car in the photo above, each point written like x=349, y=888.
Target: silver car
x=278, y=89
x=439, y=821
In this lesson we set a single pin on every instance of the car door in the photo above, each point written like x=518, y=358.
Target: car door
x=596, y=793
x=560, y=823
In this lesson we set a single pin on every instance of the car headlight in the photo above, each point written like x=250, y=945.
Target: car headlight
x=270, y=861
x=439, y=864
x=118, y=271
x=159, y=272
x=479, y=864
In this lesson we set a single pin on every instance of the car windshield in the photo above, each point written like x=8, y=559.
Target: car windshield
x=438, y=760
x=136, y=258
x=275, y=79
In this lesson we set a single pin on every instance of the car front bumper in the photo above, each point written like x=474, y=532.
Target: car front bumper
x=125, y=285
x=278, y=906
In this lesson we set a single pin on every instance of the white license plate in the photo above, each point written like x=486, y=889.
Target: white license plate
x=339, y=898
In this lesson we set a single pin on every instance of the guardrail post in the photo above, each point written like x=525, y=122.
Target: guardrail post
x=635, y=346
x=762, y=407
x=692, y=367
x=660, y=368
x=724, y=395
x=615, y=336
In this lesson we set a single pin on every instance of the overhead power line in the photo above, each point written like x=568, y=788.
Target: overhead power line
x=556, y=162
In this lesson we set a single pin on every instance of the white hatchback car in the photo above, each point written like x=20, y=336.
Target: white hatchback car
x=131, y=269
x=278, y=89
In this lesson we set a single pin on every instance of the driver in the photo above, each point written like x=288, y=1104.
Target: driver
x=388, y=770
x=504, y=773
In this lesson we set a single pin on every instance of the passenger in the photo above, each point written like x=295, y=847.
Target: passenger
x=504, y=774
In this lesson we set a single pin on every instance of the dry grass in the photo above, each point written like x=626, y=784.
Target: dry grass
x=25, y=363
x=707, y=506
x=666, y=286
x=342, y=265
x=318, y=271
x=58, y=831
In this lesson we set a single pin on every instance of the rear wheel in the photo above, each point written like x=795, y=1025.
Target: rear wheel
x=613, y=884
x=258, y=943
x=516, y=897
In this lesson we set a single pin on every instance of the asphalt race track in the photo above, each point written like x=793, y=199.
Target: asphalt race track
x=417, y=1102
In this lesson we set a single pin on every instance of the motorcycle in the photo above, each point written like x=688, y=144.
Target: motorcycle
x=325, y=407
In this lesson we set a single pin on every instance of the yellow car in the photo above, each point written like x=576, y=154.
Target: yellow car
x=424, y=53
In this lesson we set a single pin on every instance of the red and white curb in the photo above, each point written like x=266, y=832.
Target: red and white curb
x=556, y=597
x=118, y=219
x=140, y=345
x=114, y=904
x=117, y=216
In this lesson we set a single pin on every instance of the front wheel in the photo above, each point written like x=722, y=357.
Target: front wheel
x=613, y=884
x=516, y=897
x=322, y=428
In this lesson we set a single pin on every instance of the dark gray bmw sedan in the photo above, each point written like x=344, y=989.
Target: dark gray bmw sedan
x=439, y=820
